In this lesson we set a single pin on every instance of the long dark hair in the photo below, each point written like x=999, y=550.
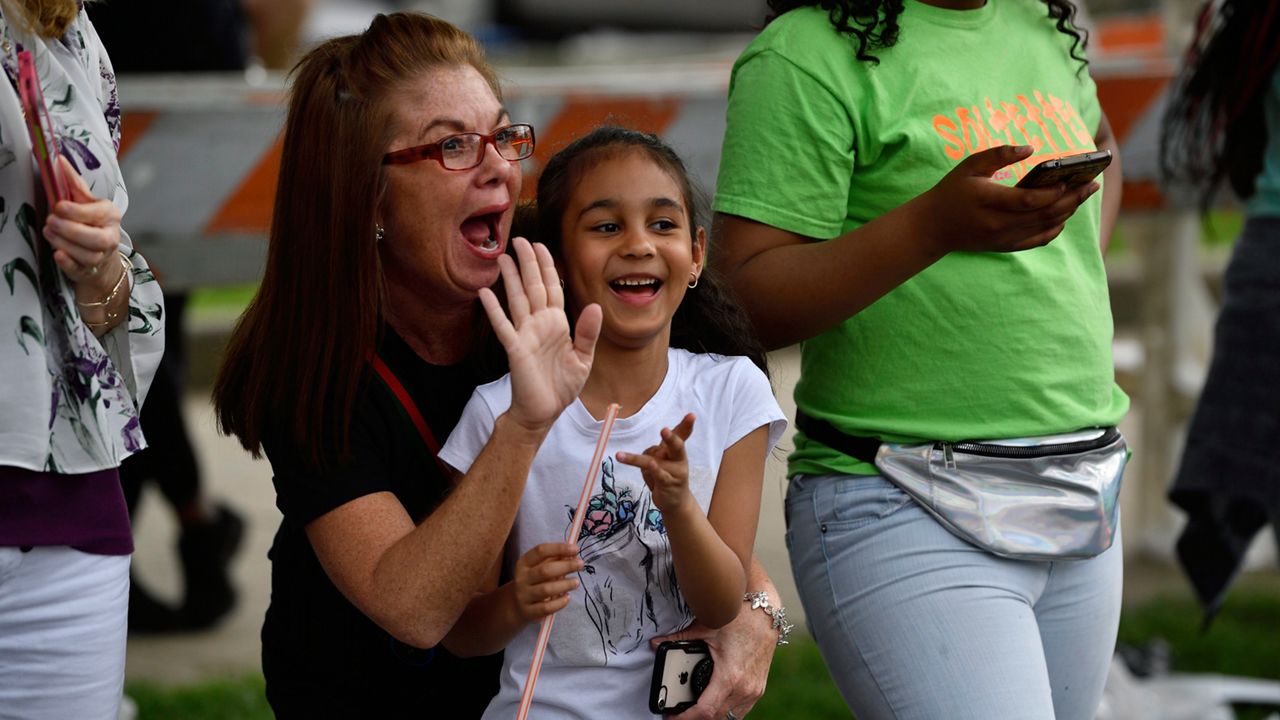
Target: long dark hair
x=1215, y=125
x=708, y=320
x=299, y=352
x=874, y=23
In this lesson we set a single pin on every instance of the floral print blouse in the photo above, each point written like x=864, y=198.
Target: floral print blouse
x=65, y=405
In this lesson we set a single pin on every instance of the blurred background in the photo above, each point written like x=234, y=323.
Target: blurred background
x=200, y=154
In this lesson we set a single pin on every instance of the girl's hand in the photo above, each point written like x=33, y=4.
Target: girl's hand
x=665, y=467
x=85, y=234
x=541, y=583
x=548, y=368
x=966, y=211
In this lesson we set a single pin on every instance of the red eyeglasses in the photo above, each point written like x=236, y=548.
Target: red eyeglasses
x=466, y=150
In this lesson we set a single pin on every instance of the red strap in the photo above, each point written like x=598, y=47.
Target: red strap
x=410, y=408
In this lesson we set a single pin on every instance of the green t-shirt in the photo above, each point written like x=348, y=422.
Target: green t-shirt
x=978, y=345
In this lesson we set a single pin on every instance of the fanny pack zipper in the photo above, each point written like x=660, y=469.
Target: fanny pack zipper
x=1110, y=435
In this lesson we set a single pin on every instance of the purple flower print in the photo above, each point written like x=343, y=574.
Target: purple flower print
x=70, y=145
x=132, y=435
x=53, y=405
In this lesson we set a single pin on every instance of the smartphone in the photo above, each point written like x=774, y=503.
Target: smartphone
x=1072, y=170
x=43, y=143
x=681, y=672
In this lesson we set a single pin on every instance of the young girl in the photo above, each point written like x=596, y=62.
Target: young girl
x=671, y=522
x=865, y=207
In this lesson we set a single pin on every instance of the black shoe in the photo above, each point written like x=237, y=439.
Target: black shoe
x=148, y=615
x=206, y=550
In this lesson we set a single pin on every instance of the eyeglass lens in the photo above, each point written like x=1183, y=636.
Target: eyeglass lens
x=466, y=150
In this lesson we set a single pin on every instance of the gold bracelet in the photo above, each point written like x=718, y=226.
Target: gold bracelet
x=126, y=267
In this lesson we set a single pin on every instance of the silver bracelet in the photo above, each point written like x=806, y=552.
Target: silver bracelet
x=760, y=601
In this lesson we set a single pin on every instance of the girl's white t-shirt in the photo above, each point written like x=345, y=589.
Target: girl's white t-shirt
x=598, y=662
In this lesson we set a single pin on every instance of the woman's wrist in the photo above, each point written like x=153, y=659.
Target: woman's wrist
x=101, y=309
x=777, y=614
x=515, y=432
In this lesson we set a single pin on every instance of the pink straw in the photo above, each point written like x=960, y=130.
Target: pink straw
x=544, y=632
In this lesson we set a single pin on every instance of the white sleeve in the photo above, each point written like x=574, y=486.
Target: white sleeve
x=753, y=405
x=469, y=435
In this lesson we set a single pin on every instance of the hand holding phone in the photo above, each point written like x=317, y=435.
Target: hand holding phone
x=43, y=143
x=681, y=671
x=1072, y=170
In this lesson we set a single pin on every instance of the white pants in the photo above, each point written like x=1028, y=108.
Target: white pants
x=63, y=620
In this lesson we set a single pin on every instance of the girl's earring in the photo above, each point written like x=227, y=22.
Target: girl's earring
x=694, y=282
x=378, y=233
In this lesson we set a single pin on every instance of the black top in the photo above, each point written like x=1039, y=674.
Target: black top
x=321, y=656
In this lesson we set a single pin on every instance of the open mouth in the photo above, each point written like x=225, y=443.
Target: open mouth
x=636, y=286
x=481, y=230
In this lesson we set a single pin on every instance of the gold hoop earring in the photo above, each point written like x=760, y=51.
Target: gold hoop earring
x=693, y=284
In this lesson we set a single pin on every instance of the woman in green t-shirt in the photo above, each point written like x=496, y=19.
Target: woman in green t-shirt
x=865, y=209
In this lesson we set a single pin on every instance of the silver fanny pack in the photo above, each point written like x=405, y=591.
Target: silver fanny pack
x=1031, y=499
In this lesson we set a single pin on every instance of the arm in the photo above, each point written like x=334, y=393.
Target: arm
x=713, y=551
x=415, y=581
x=1113, y=182
x=742, y=650
x=540, y=588
x=794, y=288
x=710, y=551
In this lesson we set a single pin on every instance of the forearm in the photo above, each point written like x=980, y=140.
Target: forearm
x=795, y=292
x=711, y=576
x=488, y=625
x=758, y=580
x=422, y=583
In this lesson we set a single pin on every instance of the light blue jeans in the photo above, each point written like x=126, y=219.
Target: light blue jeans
x=914, y=622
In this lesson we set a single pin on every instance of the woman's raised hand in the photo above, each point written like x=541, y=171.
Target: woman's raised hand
x=548, y=367
x=966, y=211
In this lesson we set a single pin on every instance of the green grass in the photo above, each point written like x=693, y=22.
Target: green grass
x=799, y=686
x=225, y=300
x=232, y=698
x=1241, y=641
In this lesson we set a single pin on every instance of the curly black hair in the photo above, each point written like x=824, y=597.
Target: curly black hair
x=1215, y=125
x=874, y=23
x=708, y=320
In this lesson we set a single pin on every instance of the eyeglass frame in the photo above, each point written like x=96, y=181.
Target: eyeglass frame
x=434, y=151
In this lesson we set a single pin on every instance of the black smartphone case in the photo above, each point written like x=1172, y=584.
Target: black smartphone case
x=689, y=652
